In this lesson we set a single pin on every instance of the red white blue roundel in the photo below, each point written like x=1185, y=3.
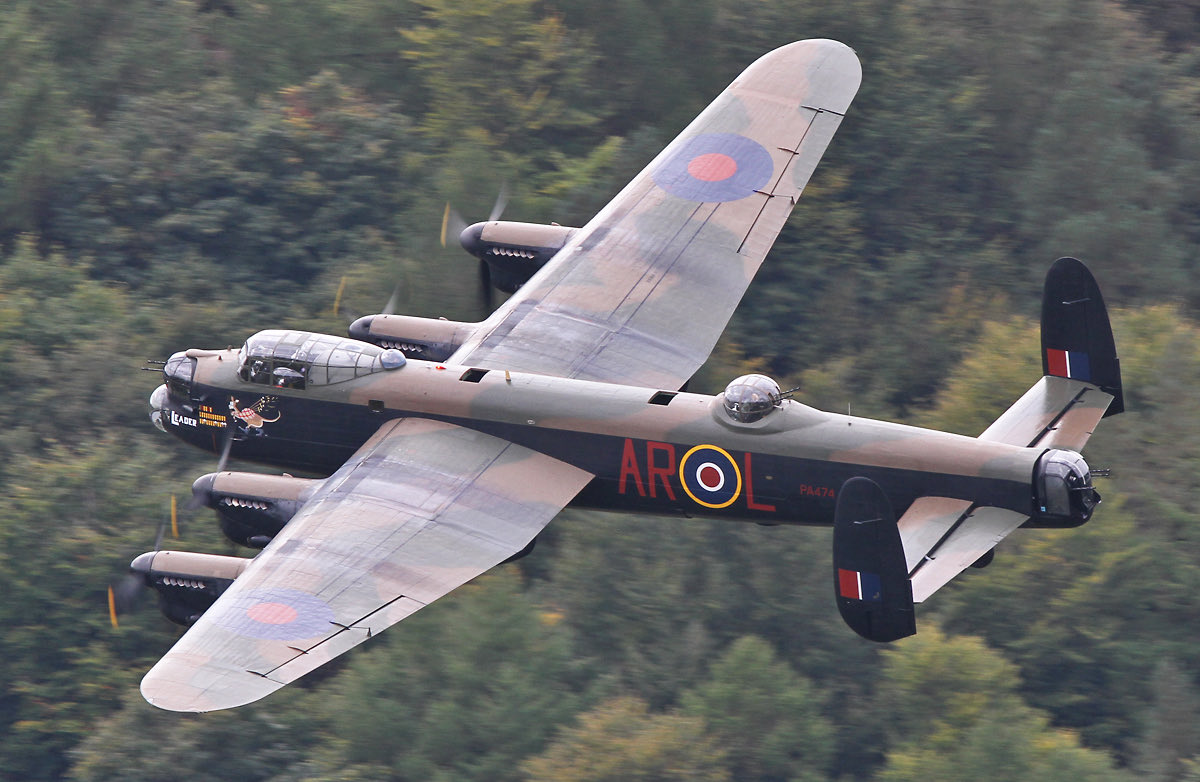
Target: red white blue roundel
x=710, y=476
x=278, y=615
x=715, y=167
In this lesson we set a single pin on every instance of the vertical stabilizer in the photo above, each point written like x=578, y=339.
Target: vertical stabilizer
x=870, y=578
x=1077, y=340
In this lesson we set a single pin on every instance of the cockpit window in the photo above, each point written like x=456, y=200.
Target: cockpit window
x=298, y=359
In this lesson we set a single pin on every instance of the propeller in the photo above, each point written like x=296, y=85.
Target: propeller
x=453, y=224
x=393, y=301
x=124, y=593
x=230, y=430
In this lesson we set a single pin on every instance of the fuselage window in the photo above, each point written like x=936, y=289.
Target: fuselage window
x=289, y=375
x=277, y=374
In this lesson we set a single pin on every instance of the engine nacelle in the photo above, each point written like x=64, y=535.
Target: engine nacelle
x=514, y=251
x=1062, y=490
x=252, y=507
x=187, y=583
x=427, y=339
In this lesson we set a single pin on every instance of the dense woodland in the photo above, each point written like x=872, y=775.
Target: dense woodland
x=178, y=173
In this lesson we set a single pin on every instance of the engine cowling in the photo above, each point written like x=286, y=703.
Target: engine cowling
x=514, y=251
x=187, y=583
x=253, y=507
x=427, y=339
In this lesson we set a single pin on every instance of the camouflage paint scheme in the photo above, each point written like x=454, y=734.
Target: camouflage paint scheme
x=440, y=471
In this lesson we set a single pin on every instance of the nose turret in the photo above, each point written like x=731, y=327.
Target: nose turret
x=178, y=373
x=177, y=386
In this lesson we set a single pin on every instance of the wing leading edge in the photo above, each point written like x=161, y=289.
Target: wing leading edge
x=421, y=509
x=641, y=294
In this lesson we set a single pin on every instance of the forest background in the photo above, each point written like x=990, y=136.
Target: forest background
x=178, y=173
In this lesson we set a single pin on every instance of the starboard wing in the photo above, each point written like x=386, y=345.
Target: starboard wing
x=422, y=508
x=641, y=293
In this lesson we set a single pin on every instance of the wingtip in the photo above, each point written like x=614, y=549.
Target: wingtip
x=834, y=72
x=181, y=685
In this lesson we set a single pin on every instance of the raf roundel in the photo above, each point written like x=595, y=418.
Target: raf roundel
x=715, y=167
x=710, y=476
x=278, y=615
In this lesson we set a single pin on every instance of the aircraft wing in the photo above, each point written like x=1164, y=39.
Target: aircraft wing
x=422, y=508
x=942, y=536
x=641, y=293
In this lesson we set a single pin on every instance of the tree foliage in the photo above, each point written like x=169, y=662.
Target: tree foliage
x=179, y=173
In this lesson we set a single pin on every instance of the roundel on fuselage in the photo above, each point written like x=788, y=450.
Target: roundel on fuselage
x=710, y=476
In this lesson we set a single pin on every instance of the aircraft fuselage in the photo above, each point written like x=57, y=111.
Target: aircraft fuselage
x=651, y=451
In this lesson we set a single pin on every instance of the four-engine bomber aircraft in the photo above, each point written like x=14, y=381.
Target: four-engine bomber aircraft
x=449, y=446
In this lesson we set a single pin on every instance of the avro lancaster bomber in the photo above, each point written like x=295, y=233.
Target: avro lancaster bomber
x=449, y=446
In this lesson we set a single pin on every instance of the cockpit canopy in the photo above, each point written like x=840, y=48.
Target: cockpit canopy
x=297, y=359
x=750, y=397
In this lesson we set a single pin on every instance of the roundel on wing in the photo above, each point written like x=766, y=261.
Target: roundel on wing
x=710, y=476
x=277, y=615
x=715, y=167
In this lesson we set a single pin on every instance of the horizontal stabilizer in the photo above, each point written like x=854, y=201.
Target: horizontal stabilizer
x=1055, y=413
x=870, y=579
x=967, y=533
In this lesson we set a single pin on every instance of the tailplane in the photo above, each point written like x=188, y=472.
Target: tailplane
x=1081, y=380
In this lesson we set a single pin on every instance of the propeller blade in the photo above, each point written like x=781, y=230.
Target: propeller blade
x=337, y=299
x=487, y=294
x=195, y=503
x=393, y=302
x=453, y=223
x=501, y=203
x=123, y=595
x=158, y=537
x=112, y=609
x=229, y=430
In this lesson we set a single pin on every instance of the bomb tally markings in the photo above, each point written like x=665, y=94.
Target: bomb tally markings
x=210, y=417
x=708, y=475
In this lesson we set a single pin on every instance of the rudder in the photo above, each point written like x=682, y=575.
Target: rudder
x=1077, y=339
x=870, y=578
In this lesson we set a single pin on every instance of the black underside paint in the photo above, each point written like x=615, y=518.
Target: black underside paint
x=637, y=476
